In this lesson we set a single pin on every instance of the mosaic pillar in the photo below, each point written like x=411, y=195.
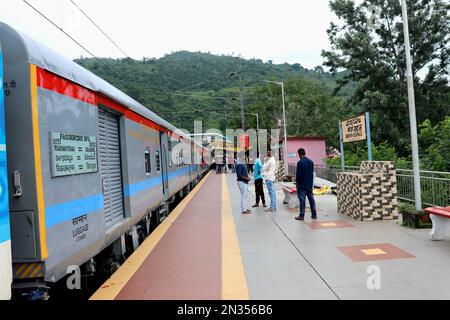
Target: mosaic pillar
x=369, y=194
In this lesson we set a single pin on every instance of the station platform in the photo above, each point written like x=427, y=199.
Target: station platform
x=207, y=250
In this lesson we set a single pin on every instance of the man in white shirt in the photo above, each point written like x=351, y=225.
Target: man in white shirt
x=269, y=169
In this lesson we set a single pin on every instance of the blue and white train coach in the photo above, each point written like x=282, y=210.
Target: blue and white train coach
x=90, y=169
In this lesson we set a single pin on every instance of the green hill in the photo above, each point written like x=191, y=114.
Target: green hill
x=182, y=86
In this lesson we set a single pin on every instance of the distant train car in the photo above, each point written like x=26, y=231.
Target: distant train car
x=5, y=238
x=91, y=165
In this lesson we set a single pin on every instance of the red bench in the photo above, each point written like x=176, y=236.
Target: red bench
x=440, y=216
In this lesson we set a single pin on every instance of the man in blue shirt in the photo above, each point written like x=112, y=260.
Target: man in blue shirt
x=242, y=179
x=305, y=183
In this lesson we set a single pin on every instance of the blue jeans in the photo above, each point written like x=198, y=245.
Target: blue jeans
x=302, y=194
x=243, y=187
x=272, y=195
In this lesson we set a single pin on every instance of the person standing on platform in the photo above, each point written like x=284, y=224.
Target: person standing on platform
x=251, y=165
x=227, y=165
x=243, y=179
x=258, y=177
x=269, y=175
x=304, y=181
x=219, y=164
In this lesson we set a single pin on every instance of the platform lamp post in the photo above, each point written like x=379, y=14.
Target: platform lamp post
x=412, y=110
x=284, y=123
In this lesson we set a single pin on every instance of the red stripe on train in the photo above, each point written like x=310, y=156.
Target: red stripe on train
x=53, y=82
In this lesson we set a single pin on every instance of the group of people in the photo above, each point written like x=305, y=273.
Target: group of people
x=227, y=167
x=266, y=173
x=262, y=172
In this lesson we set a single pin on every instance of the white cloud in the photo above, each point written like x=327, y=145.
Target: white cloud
x=291, y=31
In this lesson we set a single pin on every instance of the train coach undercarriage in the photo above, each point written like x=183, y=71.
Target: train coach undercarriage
x=81, y=282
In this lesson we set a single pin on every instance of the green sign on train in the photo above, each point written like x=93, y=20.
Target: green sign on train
x=73, y=154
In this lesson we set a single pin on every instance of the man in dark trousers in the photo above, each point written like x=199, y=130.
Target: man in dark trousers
x=305, y=183
x=242, y=180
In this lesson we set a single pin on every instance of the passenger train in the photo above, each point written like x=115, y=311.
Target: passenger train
x=90, y=171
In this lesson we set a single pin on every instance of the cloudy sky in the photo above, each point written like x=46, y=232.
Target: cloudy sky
x=292, y=31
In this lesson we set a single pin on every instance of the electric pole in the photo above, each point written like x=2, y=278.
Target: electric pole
x=241, y=93
x=412, y=110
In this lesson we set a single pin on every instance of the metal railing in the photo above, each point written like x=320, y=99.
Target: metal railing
x=435, y=185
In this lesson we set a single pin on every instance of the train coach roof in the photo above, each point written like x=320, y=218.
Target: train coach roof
x=47, y=59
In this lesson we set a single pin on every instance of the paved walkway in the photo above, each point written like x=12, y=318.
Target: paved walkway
x=206, y=249
x=330, y=259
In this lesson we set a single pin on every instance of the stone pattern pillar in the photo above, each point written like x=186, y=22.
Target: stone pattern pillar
x=369, y=194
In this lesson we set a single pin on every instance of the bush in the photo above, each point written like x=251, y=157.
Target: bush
x=413, y=218
x=383, y=152
x=434, y=143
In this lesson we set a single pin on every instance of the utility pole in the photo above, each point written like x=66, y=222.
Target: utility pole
x=241, y=93
x=286, y=167
x=412, y=110
x=257, y=135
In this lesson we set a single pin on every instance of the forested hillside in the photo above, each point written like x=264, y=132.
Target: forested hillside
x=187, y=86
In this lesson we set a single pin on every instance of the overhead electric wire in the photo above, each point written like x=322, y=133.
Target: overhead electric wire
x=200, y=83
x=69, y=36
x=207, y=112
x=100, y=29
x=194, y=112
x=117, y=46
x=202, y=96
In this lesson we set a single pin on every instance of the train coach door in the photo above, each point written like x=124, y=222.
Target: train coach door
x=163, y=140
x=110, y=167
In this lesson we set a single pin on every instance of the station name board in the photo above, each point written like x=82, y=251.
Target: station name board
x=354, y=129
x=73, y=154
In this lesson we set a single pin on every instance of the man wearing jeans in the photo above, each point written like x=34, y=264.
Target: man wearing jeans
x=305, y=182
x=269, y=175
x=242, y=179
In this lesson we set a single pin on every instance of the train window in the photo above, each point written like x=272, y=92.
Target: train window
x=158, y=161
x=148, y=166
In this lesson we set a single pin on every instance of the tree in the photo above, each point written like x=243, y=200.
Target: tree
x=311, y=109
x=435, y=145
x=159, y=83
x=371, y=48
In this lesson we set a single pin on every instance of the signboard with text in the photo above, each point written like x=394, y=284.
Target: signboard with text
x=354, y=129
x=73, y=154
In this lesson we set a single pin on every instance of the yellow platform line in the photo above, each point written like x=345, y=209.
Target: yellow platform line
x=112, y=287
x=234, y=283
